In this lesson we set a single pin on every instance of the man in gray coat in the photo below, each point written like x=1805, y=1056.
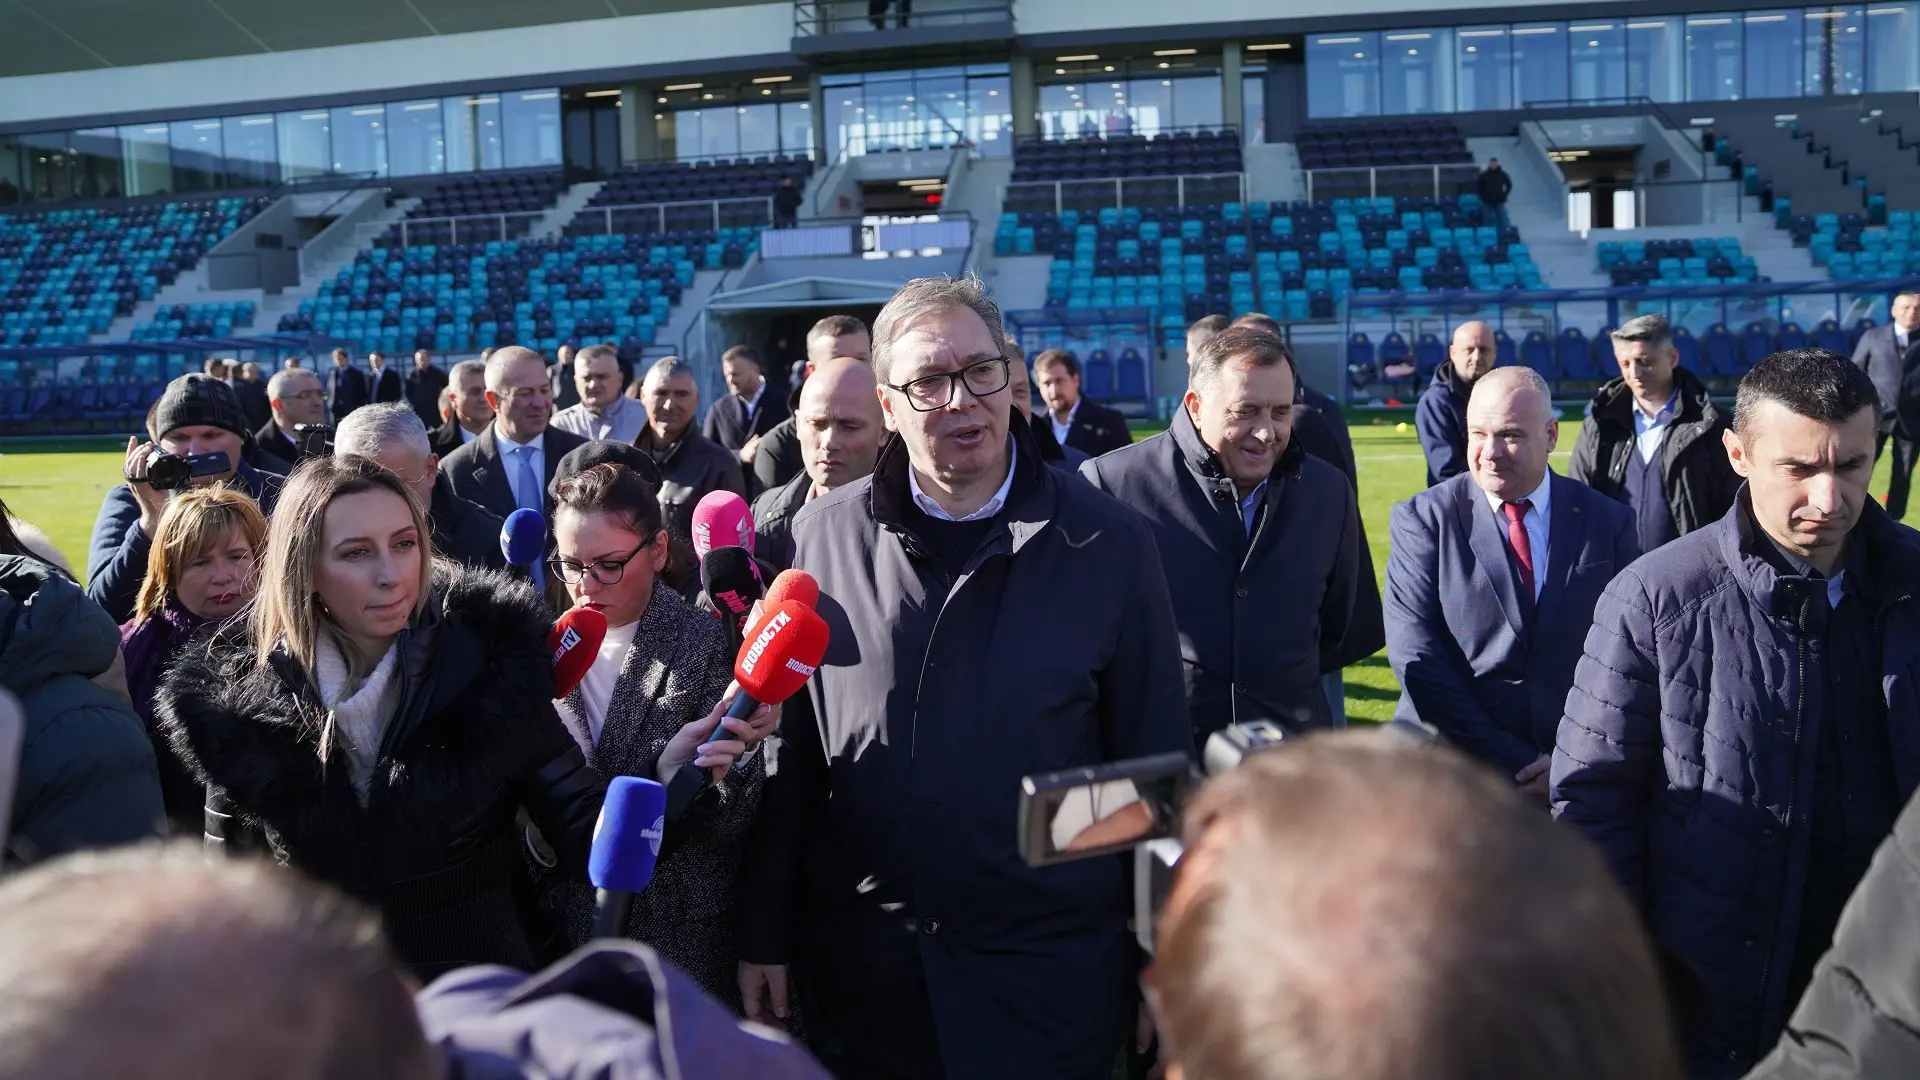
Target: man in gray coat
x=991, y=618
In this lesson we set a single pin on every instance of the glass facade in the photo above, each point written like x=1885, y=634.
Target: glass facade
x=919, y=109
x=760, y=119
x=518, y=129
x=1766, y=53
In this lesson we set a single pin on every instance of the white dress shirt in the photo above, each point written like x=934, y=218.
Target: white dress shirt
x=1650, y=431
x=620, y=421
x=1535, y=521
x=596, y=689
x=509, y=457
x=992, y=506
x=1061, y=427
x=753, y=403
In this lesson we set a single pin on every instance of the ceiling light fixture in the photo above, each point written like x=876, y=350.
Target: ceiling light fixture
x=685, y=86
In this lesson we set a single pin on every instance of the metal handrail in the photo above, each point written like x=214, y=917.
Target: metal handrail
x=818, y=18
x=1373, y=176
x=1119, y=188
x=1158, y=132
x=454, y=226
x=661, y=210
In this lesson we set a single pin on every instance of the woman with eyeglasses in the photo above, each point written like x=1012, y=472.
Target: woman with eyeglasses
x=647, y=706
x=379, y=720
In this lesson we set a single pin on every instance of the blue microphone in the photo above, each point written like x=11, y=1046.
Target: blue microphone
x=523, y=540
x=626, y=842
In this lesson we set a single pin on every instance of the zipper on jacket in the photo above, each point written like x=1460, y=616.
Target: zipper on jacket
x=1799, y=727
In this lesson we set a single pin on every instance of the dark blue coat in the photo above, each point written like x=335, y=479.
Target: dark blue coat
x=1441, y=421
x=1468, y=659
x=1687, y=756
x=117, y=554
x=887, y=844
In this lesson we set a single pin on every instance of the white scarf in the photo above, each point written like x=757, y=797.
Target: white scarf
x=359, y=719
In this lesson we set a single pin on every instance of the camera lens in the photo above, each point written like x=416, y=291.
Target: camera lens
x=167, y=472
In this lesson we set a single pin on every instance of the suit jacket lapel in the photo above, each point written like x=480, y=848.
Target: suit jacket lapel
x=1566, y=536
x=491, y=469
x=1489, y=543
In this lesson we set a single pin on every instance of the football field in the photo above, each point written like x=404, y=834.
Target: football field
x=58, y=486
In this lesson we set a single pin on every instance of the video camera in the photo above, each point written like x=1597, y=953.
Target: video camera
x=316, y=440
x=172, y=472
x=1106, y=809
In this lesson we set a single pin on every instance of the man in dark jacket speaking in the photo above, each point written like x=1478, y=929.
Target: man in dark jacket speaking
x=1653, y=437
x=1441, y=417
x=991, y=618
x=1890, y=355
x=1745, y=724
x=1260, y=541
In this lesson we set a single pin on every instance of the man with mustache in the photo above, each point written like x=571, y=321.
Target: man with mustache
x=1745, y=725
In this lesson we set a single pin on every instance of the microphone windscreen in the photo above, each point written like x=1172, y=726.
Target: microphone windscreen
x=731, y=580
x=786, y=647
x=575, y=642
x=523, y=539
x=722, y=519
x=626, y=839
x=795, y=585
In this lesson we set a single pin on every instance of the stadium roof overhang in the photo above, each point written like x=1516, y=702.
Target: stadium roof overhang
x=43, y=36
x=803, y=293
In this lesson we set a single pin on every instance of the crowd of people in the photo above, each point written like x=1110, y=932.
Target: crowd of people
x=1694, y=650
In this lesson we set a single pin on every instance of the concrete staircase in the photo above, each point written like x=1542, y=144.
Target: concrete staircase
x=339, y=252
x=1273, y=173
x=189, y=288
x=1018, y=282
x=553, y=223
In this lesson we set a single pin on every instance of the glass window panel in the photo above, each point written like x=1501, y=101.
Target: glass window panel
x=719, y=132
x=760, y=129
x=473, y=132
x=146, y=162
x=1196, y=101
x=1539, y=63
x=198, y=161
x=1151, y=105
x=530, y=121
x=1713, y=57
x=1597, y=61
x=1836, y=51
x=1485, y=57
x=1343, y=75
x=796, y=128
x=990, y=113
x=44, y=160
x=1415, y=76
x=305, y=143
x=96, y=164
x=416, y=138
x=940, y=100
x=1653, y=59
x=1253, y=102
x=846, y=107
x=1893, y=48
x=1772, y=60
x=250, y=151
x=13, y=182
x=359, y=140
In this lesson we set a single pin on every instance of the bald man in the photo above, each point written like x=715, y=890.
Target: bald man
x=1441, y=418
x=839, y=427
x=1492, y=580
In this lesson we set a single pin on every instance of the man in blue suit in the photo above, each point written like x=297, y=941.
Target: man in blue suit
x=1492, y=582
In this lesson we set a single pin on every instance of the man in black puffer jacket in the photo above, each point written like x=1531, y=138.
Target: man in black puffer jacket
x=1652, y=439
x=87, y=774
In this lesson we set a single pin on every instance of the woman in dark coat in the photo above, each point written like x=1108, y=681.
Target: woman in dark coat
x=200, y=571
x=379, y=720
x=646, y=707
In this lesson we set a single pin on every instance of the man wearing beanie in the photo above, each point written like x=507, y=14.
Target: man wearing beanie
x=197, y=414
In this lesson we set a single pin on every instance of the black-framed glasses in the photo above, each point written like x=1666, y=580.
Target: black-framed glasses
x=937, y=391
x=604, y=571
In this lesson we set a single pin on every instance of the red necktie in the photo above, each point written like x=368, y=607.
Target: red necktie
x=1522, y=547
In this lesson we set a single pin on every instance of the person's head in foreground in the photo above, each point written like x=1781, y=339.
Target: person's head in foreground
x=1358, y=907
x=155, y=963
x=1803, y=437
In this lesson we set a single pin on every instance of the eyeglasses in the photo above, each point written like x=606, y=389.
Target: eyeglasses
x=937, y=391
x=604, y=571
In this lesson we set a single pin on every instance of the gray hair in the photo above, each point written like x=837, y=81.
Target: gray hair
x=465, y=368
x=669, y=366
x=277, y=388
x=500, y=361
x=1244, y=346
x=1652, y=329
x=926, y=296
x=388, y=425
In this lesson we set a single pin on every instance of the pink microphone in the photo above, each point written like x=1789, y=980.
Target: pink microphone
x=722, y=520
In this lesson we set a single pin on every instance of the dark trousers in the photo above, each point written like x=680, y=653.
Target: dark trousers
x=869, y=1016
x=1905, y=452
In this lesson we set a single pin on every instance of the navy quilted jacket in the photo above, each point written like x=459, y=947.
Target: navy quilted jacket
x=1687, y=755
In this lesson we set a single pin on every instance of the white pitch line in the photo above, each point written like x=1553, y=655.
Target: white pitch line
x=1367, y=459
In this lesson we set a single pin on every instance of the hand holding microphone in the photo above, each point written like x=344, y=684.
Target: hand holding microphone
x=717, y=740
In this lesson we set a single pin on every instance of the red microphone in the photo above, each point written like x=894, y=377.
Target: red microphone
x=795, y=585
x=775, y=661
x=575, y=643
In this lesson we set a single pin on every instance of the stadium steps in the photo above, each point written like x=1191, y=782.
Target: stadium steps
x=317, y=275
x=693, y=300
x=1537, y=206
x=553, y=223
x=1019, y=282
x=189, y=288
x=980, y=190
x=1273, y=173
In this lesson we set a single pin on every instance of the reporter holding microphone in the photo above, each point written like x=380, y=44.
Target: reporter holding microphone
x=647, y=706
x=379, y=719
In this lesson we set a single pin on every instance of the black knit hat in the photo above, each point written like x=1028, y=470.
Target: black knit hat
x=197, y=400
x=605, y=452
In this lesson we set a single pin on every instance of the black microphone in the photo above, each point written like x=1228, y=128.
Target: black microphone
x=732, y=583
